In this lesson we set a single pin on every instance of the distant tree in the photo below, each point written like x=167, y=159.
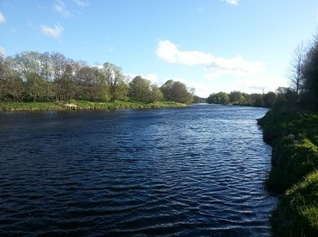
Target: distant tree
x=236, y=97
x=166, y=90
x=285, y=98
x=269, y=99
x=66, y=85
x=140, y=90
x=198, y=99
x=28, y=65
x=35, y=89
x=86, y=81
x=219, y=98
x=257, y=99
x=117, y=86
x=11, y=84
x=59, y=63
x=176, y=91
x=156, y=94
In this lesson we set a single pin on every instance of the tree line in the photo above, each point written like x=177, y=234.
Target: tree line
x=241, y=98
x=33, y=76
x=302, y=94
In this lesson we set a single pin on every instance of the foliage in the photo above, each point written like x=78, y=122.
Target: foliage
x=293, y=136
x=42, y=77
x=176, y=91
x=142, y=90
x=197, y=99
x=116, y=81
x=83, y=105
x=238, y=98
x=219, y=98
x=310, y=74
x=303, y=91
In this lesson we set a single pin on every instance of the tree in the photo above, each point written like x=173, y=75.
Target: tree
x=116, y=81
x=11, y=85
x=59, y=63
x=86, y=84
x=219, y=98
x=310, y=75
x=296, y=71
x=236, y=97
x=285, y=98
x=156, y=94
x=140, y=90
x=176, y=91
x=29, y=67
x=66, y=85
x=269, y=99
x=35, y=87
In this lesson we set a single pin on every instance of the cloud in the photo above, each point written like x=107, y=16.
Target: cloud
x=2, y=19
x=169, y=52
x=232, y=2
x=60, y=7
x=150, y=76
x=81, y=3
x=2, y=51
x=54, y=31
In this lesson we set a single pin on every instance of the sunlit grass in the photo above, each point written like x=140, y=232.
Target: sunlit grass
x=83, y=105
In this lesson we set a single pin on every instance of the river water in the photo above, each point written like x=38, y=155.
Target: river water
x=196, y=171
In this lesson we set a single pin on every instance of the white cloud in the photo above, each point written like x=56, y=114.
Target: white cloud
x=216, y=66
x=2, y=19
x=2, y=51
x=60, y=7
x=81, y=3
x=150, y=76
x=232, y=2
x=54, y=31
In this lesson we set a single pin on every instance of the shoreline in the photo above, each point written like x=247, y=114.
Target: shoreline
x=83, y=105
x=294, y=172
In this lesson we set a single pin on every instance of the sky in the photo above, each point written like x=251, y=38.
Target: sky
x=210, y=45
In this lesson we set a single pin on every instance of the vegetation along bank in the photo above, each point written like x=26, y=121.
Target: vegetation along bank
x=84, y=105
x=53, y=82
x=291, y=128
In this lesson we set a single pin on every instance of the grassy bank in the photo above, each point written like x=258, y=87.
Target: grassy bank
x=294, y=173
x=83, y=105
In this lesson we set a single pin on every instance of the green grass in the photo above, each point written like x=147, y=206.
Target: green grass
x=297, y=211
x=294, y=173
x=83, y=105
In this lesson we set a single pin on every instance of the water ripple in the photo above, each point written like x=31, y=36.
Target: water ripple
x=173, y=172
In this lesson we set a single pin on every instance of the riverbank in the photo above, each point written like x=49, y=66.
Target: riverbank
x=294, y=174
x=83, y=105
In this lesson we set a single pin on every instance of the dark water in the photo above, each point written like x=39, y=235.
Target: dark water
x=194, y=171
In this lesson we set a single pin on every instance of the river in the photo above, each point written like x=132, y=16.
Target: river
x=196, y=171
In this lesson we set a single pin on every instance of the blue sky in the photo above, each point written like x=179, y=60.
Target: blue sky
x=210, y=45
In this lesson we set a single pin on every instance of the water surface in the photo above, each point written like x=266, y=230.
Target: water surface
x=195, y=171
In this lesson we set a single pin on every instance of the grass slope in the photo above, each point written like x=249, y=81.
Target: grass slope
x=294, y=173
x=83, y=105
